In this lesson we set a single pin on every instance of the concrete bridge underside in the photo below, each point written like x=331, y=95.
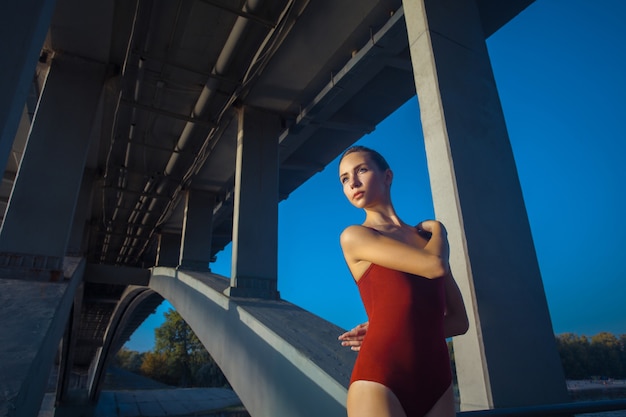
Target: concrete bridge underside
x=141, y=158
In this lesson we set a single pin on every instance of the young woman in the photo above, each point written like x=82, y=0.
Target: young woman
x=411, y=299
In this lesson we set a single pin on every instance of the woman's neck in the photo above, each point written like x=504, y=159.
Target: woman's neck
x=382, y=216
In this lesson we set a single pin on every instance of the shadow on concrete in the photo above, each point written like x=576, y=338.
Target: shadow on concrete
x=126, y=394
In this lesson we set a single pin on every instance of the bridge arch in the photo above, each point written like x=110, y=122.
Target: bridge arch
x=279, y=358
x=134, y=297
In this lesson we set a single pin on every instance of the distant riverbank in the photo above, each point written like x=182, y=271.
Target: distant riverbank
x=596, y=389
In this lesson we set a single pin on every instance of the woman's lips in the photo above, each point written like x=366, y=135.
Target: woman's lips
x=358, y=195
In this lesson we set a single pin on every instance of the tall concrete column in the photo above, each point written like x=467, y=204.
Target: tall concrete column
x=508, y=358
x=255, y=217
x=23, y=28
x=40, y=212
x=195, y=251
x=79, y=236
x=168, y=250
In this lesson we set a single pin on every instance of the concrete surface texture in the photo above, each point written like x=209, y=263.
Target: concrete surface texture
x=34, y=316
x=161, y=402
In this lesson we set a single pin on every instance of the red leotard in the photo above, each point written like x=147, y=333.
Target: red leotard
x=405, y=347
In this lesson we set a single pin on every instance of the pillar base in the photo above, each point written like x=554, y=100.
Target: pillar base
x=31, y=266
x=196, y=266
x=254, y=288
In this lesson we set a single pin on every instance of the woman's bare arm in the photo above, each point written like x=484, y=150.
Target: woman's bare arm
x=455, y=321
x=360, y=243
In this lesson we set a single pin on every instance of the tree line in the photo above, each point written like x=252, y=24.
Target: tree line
x=180, y=359
x=601, y=356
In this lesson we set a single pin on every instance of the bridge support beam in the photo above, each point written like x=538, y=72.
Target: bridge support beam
x=168, y=251
x=47, y=186
x=43, y=203
x=27, y=22
x=79, y=237
x=477, y=194
x=255, y=217
x=195, y=250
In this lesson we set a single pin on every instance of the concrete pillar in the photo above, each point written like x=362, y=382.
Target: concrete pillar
x=168, y=251
x=40, y=213
x=79, y=236
x=23, y=28
x=195, y=251
x=255, y=217
x=508, y=358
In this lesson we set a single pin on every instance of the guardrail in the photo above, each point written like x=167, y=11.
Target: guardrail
x=582, y=407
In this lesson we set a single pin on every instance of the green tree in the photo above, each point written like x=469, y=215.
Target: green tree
x=156, y=365
x=574, y=353
x=605, y=355
x=175, y=339
x=622, y=354
x=187, y=361
x=129, y=360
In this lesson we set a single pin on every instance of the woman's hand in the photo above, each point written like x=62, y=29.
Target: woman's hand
x=429, y=227
x=354, y=338
x=437, y=235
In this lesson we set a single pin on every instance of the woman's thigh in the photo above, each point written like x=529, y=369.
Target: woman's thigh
x=444, y=407
x=372, y=399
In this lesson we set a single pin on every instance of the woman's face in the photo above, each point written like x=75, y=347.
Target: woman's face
x=364, y=184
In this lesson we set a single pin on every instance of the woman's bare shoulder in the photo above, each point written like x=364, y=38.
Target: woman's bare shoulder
x=355, y=233
x=354, y=238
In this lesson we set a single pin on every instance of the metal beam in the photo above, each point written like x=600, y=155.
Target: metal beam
x=166, y=113
x=240, y=12
x=381, y=51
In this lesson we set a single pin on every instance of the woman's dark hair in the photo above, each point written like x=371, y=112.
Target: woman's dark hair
x=377, y=158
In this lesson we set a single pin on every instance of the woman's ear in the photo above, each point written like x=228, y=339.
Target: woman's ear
x=389, y=176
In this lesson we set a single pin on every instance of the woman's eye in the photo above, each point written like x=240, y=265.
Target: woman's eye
x=344, y=179
x=362, y=169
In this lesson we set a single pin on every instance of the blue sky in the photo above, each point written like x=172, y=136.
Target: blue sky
x=560, y=67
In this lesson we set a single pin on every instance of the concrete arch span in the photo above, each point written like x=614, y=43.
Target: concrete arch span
x=280, y=359
x=134, y=297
